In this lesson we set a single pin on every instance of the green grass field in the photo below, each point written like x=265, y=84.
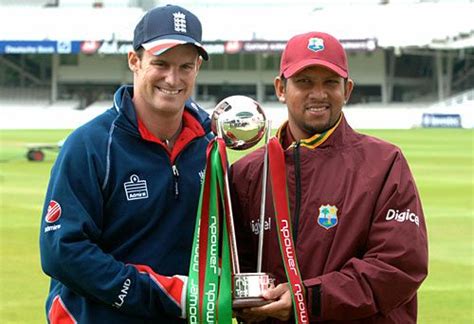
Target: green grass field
x=441, y=160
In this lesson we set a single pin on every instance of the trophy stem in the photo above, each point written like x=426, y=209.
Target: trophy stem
x=263, y=198
x=233, y=241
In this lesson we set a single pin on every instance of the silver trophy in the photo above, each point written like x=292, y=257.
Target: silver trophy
x=241, y=123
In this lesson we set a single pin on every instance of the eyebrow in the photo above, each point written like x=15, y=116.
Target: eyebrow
x=157, y=59
x=318, y=75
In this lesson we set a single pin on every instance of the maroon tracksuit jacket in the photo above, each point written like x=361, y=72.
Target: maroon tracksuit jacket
x=358, y=226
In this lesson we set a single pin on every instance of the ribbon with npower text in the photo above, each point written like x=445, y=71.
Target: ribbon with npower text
x=209, y=295
x=277, y=173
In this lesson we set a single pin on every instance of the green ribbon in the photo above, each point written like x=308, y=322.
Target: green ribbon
x=209, y=291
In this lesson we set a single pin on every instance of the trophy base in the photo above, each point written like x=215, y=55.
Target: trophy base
x=248, y=289
x=249, y=302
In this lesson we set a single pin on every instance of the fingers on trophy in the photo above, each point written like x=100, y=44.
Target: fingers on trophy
x=241, y=122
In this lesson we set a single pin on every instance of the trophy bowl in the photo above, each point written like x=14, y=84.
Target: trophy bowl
x=240, y=121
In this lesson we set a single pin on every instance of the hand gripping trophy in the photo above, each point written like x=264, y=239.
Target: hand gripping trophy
x=215, y=283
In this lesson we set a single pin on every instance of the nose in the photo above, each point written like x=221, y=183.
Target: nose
x=318, y=92
x=172, y=76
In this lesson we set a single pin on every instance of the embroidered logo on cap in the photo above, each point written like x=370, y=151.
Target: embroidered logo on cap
x=316, y=44
x=179, y=22
x=54, y=212
x=136, y=188
x=327, y=216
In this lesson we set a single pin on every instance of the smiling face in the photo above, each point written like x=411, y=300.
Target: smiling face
x=162, y=84
x=314, y=97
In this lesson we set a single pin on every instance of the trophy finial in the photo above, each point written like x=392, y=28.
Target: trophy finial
x=240, y=121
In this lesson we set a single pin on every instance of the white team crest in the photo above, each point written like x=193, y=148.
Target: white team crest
x=316, y=44
x=202, y=175
x=179, y=22
x=136, y=188
x=327, y=216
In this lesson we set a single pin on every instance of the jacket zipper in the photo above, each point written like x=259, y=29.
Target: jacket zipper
x=174, y=169
x=176, y=178
x=296, y=215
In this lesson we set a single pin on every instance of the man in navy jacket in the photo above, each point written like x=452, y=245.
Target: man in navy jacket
x=119, y=214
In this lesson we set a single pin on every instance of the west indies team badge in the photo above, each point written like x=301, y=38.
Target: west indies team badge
x=316, y=44
x=327, y=216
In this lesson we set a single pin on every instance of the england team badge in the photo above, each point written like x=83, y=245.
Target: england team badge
x=316, y=44
x=136, y=188
x=327, y=216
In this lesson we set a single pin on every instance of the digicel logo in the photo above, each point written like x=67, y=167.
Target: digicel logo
x=403, y=216
x=54, y=212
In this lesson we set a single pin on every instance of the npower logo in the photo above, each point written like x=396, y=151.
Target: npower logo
x=299, y=300
x=290, y=256
x=288, y=246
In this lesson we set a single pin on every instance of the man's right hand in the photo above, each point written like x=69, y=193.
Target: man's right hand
x=280, y=308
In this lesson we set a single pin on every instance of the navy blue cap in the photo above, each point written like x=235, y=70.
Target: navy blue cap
x=162, y=28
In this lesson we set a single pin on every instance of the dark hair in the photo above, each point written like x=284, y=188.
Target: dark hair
x=140, y=52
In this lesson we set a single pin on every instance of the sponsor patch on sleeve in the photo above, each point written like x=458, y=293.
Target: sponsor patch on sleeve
x=402, y=216
x=54, y=212
x=52, y=216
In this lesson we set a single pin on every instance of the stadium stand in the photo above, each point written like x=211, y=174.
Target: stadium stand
x=398, y=64
x=456, y=111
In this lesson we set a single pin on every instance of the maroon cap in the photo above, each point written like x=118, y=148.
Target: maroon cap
x=313, y=48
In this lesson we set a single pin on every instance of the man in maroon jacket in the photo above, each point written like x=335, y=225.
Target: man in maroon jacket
x=358, y=228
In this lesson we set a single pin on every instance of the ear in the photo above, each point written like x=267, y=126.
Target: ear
x=198, y=63
x=348, y=90
x=133, y=61
x=279, y=89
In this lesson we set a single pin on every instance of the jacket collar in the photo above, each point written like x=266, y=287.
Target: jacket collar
x=332, y=136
